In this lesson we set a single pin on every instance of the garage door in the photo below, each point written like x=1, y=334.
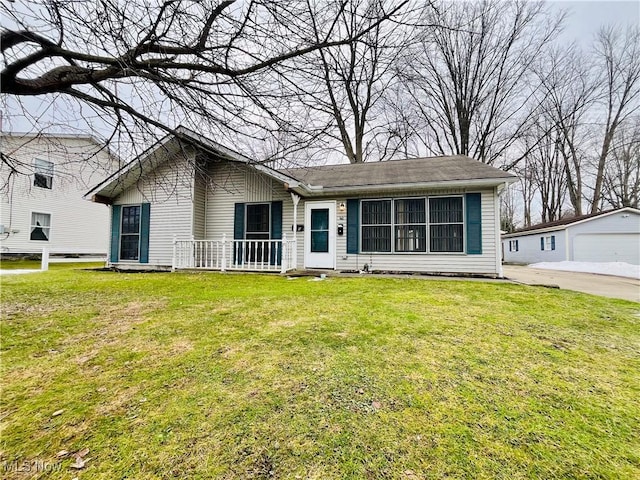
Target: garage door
x=607, y=247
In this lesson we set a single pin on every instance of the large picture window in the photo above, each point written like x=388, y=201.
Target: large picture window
x=130, y=233
x=40, y=226
x=376, y=225
x=446, y=224
x=406, y=225
x=43, y=173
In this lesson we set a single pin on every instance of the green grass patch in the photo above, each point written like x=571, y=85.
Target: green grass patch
x=254, y=376
x=36, y=264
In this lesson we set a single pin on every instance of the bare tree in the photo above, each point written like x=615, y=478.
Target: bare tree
x=470, y=77
x=622, y=171
x=346, y=85
x=618, y=56
x=566, y=95
x=508, y=211
x=150, y=66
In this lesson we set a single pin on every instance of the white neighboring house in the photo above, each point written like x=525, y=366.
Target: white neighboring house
x=611, y=236
x=42, y=202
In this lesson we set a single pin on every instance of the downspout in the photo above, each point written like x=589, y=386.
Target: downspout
x=499, y=191
x=295, y=199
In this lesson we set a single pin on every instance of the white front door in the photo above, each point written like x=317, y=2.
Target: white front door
x=320, y=235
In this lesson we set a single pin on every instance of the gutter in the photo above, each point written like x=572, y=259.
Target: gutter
x=318, y=190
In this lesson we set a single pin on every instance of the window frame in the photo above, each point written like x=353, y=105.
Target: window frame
x=425, y=224
x=428, y=224
x=246, y=221
x=548, y=246
x=46, y=172
x=513, y=245
x=139, y=234
x=362, y=225
x=31, y=212
x=464, y=224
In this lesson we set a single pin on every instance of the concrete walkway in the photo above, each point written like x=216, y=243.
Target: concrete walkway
x=17, y=271
x=603, y=285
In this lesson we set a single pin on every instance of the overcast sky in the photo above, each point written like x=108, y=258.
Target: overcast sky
x=586, y=17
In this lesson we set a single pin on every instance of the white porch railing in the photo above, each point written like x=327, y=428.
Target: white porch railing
x=246, y=255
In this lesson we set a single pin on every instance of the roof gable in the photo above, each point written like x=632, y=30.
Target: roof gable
x=450, y=171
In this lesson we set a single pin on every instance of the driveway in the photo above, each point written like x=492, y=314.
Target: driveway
x=603, y=285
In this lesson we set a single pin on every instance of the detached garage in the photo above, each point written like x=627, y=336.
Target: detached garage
x=612, y=236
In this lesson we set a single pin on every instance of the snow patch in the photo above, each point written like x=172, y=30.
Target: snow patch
x=618, y=269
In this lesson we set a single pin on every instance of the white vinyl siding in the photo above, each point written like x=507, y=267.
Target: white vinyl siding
x=228, y=183
x=169, y=191
x=79, y=226
x=484, y=263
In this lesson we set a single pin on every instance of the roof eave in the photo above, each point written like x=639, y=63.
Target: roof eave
x=319, y=191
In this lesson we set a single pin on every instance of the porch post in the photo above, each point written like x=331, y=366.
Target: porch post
x=284, y=261
x=44, y=260
x=224, y=252
x=294, y=261
x=174, y=259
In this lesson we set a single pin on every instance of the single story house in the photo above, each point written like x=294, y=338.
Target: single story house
x=611, y=236
x=189, y=202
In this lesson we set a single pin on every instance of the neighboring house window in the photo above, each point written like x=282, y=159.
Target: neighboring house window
x=43, y=176
x=410, y=225
x=513, y=245
x=40, y=226
x=548, y=242
x=376, y=225
x=130, y=233
x=446, y=224
x=257, y=228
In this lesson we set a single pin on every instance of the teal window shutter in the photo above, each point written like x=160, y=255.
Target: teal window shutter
x=541, y=243
x=276, y=230
x=553, y=242
x=474, y=223
x=238, y=222
x=353, y=224
x=115, y=232
x=145, y=218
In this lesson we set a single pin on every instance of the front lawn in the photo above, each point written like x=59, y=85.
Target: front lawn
x=249, y=376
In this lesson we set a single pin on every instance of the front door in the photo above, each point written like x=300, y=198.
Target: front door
x=320, y=235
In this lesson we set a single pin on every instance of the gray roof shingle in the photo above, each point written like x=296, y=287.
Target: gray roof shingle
x=410, y=171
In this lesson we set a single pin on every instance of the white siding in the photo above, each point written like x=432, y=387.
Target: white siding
x=229, y=188
x=484, y=263
x=77, y=225
x=170, y=191
x=199, y=206
x=529, y=248
x=624, y=224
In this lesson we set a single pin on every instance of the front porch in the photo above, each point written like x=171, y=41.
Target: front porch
x=237, y=255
